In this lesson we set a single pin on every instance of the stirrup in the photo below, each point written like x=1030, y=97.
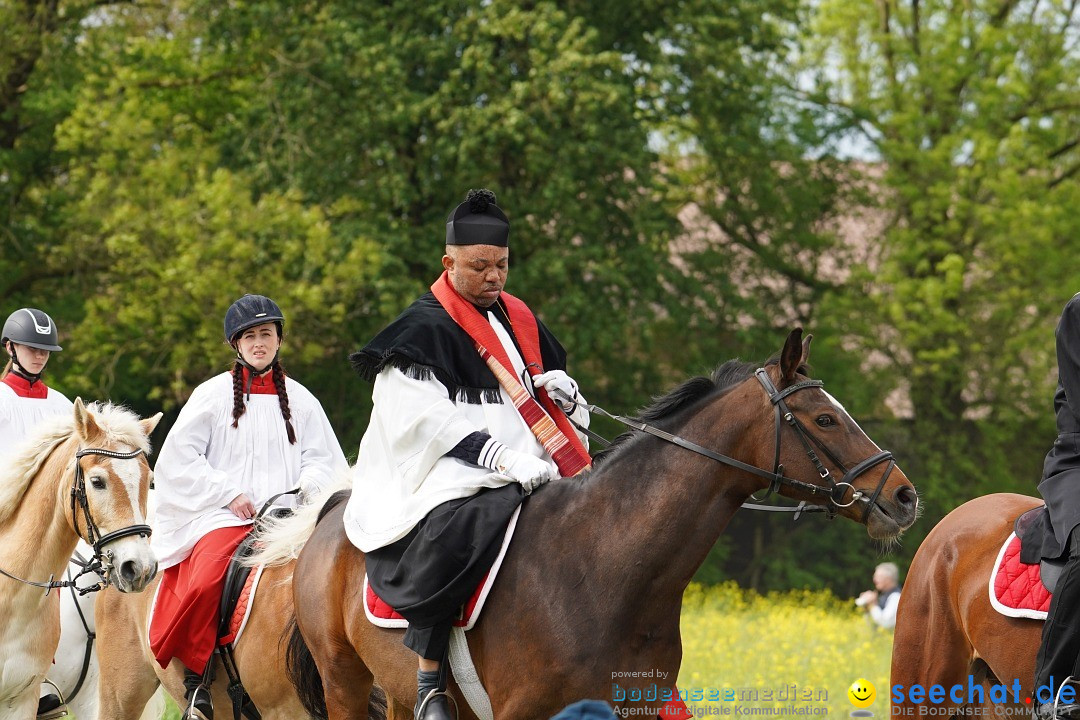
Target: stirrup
x=193, y=713
x=59, y=711
x=422, y=707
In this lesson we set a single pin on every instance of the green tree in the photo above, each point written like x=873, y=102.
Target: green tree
x=974, y=112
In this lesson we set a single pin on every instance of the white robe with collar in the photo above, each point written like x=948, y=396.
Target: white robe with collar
x=19, y=416
x=205, y=462
x=402, y=472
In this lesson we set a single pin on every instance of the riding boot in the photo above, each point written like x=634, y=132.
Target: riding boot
x=1060, y=647
x=432, y=701
x=198, y=696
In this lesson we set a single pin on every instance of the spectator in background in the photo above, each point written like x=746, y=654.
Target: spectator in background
x=882, y=602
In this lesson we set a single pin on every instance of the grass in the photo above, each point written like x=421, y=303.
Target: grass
x=743, y=645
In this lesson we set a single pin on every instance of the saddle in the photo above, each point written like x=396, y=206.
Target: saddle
x=1049, y=570
x=1019, y=589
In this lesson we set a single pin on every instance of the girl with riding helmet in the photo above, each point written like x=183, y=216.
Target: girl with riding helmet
x=29, y=337
x=243, y=437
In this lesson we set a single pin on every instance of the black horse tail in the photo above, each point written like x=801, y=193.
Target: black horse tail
x=304, y=675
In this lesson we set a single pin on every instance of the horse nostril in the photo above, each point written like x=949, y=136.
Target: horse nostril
x=907, y=498
x=128, y=572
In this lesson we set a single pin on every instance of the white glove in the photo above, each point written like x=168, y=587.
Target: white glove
x=529, y=470
x=560, y=387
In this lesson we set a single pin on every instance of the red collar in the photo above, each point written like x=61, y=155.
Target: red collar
x=24, y=388
x=261, y=385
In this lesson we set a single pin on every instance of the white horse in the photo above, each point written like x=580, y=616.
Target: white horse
x=79, y=476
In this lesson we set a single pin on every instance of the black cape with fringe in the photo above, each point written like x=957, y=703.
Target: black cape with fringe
x=425, y=342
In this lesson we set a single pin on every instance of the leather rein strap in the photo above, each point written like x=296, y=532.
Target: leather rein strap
x=833, y=491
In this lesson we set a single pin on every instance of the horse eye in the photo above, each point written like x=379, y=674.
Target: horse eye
x=98, y=483
x=825, y=421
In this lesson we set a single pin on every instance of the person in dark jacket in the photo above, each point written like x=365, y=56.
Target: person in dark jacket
x=1055, y=533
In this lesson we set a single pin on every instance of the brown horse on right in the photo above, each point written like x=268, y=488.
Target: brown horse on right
x=592, y=583
x=947, y=632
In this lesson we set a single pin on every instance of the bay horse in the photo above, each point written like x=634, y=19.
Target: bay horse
x=592, y=583
x=83, y=475
x=130, y=675
x=947, y=631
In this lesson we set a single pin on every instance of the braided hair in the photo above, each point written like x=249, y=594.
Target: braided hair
x=239, y=407
x=278, y=376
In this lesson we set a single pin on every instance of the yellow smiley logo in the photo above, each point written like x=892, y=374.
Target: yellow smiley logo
x=862, y=693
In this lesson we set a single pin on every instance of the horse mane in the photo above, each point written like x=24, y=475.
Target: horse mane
x=119, y=425
x=280, y=540
x=690, y=394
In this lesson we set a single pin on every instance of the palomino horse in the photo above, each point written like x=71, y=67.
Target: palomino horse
x=947, y=632
x=75, y=671
x=592, y=583
x=130, y=674
x=83, y=475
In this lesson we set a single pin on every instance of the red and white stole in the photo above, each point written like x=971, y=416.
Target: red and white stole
x=551, y=428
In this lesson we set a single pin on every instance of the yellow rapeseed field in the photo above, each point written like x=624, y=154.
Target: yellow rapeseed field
x=745, y=643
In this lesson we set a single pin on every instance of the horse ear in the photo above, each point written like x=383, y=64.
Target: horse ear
x=85, y=425
x=806, y=349
x=792, y=354
x=148, y=424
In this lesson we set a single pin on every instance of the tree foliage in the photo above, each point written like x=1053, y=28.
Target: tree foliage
x=674, y=173
x=974, y=111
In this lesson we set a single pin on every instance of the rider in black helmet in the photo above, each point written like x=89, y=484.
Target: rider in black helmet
x=243, y=437
x=33, y=330
x=247, y=312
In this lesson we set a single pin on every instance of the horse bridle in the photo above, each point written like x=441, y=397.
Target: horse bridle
x=102, y=557
x=834, y=491
x=101, y=562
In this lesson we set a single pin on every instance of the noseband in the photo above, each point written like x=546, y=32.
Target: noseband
x=101, y=562
x=832, y=490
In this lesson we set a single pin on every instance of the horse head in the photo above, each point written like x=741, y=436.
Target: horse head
x=111, y=480
x=823, y=455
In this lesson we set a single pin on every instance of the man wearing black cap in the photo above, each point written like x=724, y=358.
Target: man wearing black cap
x=466, y=381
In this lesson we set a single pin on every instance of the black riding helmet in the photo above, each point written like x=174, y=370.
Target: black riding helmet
x=249, y=311
x=33, y=328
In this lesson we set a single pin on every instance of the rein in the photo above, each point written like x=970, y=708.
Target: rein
x=101, y=562
x=832, y=490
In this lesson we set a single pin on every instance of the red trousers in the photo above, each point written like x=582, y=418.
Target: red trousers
x=188, y=606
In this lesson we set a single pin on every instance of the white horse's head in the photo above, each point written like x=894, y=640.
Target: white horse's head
x=110, y=480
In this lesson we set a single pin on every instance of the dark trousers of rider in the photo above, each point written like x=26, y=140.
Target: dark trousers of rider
x=1059, y=654
x=429, y=642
